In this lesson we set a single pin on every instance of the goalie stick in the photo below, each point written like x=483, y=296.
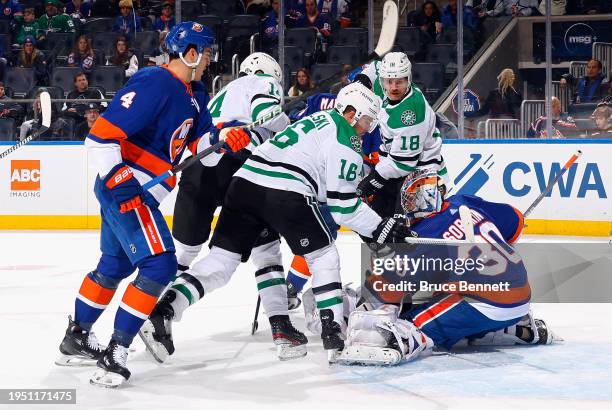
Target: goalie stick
x=45, y=109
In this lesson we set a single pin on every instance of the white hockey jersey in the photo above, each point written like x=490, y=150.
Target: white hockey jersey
x=245, y=100
x=318, y=156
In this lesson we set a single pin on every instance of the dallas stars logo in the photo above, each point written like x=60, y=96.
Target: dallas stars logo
x=356, y=143
x=408, y=117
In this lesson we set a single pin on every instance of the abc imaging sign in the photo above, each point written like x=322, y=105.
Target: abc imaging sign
x=25, y=177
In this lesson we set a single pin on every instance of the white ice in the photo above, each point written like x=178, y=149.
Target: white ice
x=218, y=364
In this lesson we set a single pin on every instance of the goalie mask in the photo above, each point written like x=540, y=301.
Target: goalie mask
x=261, y=63
x=365, y=103
x=420, y=194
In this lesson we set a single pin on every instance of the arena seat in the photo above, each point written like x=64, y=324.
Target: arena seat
x=294, y=58
x=20, y=79
x=305, y=38
x=409, y=40
x=344, y=55
x=190, y=9
x=61, y=44
x=105, y=41
x=97, y=25
x=109, y=77
x=352, y=36
x=224, y=8
x=63, y=77
x=319, y=72
x=146, y=41
x=8, y=129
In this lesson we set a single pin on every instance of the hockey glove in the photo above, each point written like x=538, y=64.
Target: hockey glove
x=125, y=189
x=392, y=230
x=236, y=138
x=370, y=185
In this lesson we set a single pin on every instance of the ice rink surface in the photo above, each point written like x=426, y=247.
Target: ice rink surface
x=219, y=365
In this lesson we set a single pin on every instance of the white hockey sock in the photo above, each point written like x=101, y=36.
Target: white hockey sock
x=270, y=278
x=326, y=282
x=186, y=254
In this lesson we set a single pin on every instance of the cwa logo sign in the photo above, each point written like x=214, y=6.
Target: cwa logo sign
x=520, y=178
x=25, y=178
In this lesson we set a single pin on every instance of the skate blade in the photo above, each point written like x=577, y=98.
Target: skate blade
x=332, y=356
x=106, y=379
x=74, y=361
x=156, y=349
x=287, y=351
x=369, y=356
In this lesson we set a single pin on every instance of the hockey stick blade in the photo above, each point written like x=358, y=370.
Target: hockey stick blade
x=468, y=224
x=45, y=109
x=385, y=43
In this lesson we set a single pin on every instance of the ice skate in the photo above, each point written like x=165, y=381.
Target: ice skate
x=290, y=342
x=156, y=331
x=79, y=347
x=112, y=371
x=331, y=335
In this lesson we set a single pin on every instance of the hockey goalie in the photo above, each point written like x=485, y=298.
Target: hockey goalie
x=386, y=328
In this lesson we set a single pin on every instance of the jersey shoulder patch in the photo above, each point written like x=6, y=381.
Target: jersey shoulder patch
x=345, y=133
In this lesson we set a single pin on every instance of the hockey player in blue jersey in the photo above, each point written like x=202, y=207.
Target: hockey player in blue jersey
x=379, y=332
x=142, y=134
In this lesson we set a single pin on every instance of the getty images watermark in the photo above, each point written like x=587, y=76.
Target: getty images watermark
x=538, y=272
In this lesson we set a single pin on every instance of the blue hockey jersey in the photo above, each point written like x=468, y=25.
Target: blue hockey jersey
x=148, y=125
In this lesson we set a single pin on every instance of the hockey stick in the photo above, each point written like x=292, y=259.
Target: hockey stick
x=386, y=39
x=193, y=159
x=552, y=183
x=468, y=224
x=255, y=323
x=45, y=109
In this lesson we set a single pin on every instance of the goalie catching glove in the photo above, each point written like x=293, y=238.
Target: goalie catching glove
x=392, y=230
x=126, y=190
x=236, y=138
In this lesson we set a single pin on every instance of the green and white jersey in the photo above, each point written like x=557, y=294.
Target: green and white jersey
x=319, y=156
x=247, y=99
x=409, y=137
x=371, y=70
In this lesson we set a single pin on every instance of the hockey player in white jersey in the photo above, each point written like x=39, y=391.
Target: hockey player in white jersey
x=202, y=188
x=408, y=131
x=278, y=191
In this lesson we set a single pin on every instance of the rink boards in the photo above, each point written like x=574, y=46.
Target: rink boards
x=48, y=185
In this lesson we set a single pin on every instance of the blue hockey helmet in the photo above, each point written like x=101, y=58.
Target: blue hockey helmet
x=186, y=33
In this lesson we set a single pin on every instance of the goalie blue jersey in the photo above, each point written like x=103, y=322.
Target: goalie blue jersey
x=493, y=260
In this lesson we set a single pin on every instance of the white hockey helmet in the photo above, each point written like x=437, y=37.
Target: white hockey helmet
x=363, y=100
x=396, y=65
x=420, y=195
x=261, y=63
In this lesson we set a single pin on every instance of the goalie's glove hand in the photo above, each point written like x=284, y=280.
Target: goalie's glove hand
x=126, y=190
x=370, y=185
x=392, y=230
x=236, y=138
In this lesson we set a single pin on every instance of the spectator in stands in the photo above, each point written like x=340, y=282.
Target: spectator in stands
x=5, y=57
x=294, y=10
x=336, y=10
x=55, y=21
x=302, y=83
x=313, y=18
x=591, y=87
x=77, y=9
x=82, y=55
x=428, y=19
x=160, y=56
x=166, y=20
x=26, y=25
x=269, y=27
x=558, y=7
x=346, y=70
x=449, y=16
x=516, y=8
x=92, y=112
x=504, y=101
x=76, y=109
x=9, y=110
x=127, y=22
x=10, y=9
x=105, y=8
x=256, y=7
x=57, y=131
x=123, y=57
x=563, y=127
x=603, y=119
x=31, y=57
